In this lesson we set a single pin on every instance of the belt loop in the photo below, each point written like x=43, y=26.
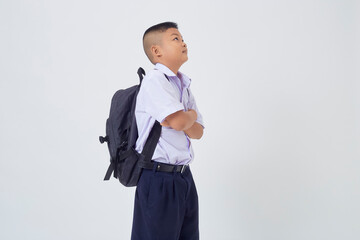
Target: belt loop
x=174, y=170
x=154, y=167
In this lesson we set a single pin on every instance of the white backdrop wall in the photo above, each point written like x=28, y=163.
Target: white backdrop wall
x=277, y=83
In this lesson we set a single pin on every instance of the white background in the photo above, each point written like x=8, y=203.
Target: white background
x=277, y=83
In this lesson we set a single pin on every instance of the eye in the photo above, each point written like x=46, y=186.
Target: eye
x=178, y=39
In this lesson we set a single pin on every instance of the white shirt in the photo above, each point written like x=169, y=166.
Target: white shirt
x=158, y=98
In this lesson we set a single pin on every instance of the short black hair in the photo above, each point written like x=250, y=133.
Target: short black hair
x=158, y=28
x=162, y=27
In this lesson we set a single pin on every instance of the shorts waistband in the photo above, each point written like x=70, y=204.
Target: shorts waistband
x=164, y=167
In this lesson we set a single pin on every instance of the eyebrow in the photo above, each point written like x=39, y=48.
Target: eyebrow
x=176, y=34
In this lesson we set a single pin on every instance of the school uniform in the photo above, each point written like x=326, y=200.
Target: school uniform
x=166, y=200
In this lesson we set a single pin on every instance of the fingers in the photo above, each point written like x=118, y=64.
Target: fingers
x=165, y=123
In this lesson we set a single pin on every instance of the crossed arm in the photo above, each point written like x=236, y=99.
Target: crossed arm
x=184, y=121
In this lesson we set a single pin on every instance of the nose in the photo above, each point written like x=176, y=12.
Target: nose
x=184, y=44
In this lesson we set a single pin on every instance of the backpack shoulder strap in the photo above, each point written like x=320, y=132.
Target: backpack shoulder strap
x=151, y=142
x=167, y=77
x=141, y=72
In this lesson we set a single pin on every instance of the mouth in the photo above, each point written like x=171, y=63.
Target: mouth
x=185, y=51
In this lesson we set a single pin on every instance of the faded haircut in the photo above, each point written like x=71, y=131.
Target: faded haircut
x=151, y=37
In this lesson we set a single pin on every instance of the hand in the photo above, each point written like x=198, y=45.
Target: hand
x=194, y=112
x=165, y=123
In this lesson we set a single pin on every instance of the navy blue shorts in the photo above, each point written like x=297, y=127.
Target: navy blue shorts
x=166, y=206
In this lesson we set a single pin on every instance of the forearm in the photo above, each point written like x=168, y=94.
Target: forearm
x=195, y=131
x=180, y=120
x=190, y=119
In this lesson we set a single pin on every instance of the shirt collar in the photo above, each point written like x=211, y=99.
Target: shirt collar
x=186, y=81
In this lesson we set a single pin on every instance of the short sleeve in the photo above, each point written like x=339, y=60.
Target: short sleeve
x=159, y=97
x=192, y=105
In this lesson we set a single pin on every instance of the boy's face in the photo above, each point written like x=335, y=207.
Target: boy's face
x=173, y=49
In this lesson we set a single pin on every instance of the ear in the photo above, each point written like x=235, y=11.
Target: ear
x=156, y=51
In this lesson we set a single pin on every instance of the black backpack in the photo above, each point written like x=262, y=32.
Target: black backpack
x=121, y=136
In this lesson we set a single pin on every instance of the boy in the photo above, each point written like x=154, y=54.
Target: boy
x=166, y=200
